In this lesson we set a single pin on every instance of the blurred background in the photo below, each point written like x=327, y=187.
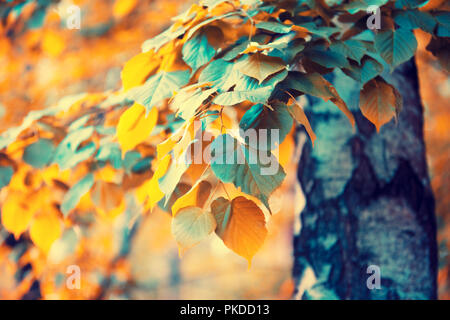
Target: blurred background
x=42, y=61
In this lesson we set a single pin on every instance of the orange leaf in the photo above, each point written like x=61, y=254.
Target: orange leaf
x=240, y=224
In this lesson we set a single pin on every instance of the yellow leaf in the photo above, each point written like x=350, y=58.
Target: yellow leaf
x=138, y=69
x=191, y=225
x=45, y=229
x=16, y=213
x=196, y=197
x=53, y=43
x=123, y=7
x=163, y=148
x=240, y=224
x=134, y=126
x=154, y=193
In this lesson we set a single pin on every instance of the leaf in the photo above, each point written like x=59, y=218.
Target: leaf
x=45, y=229
x=259, y=118
x=316, y=85
x=396, y=46
x=138, y=68
x=6, y=174
x=161, y=39
x=352, y=49
x=110, y=152
x=256, y=173
x=222, y=74
x=240, y=224
x=412, y=19
x=17, y=213
x=260, y=66
x=299, y=115
x=108, y=198
x=39, y=154
x=135, y=126
x=368, y=70
x=195, y=197
x=248, y=89
x=327, y=59
x=191, y=225
x=379, y=102
x=362, y=5
x=231, y=98
x=68, y=154
x=275, y=27
x=198, y=51
x=443, y=20
x=73, y=196
x=123, y=7
x=187, y=105
x=169, y=181
x=151, y=189
x=402, y=4
x=158, y=87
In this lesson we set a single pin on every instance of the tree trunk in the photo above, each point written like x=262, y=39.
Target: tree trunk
x=368, y=202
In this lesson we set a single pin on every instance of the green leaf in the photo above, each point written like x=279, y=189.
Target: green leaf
x=352, y=49
x=368, y=70
x=68, y=154
x=242, y=44
x=222, y=74
x=259, y=118
x=396, y=46
x=248, y=89
x=443, y=19
x=402, y=4
x=158, y=87
x=275, y=27
x=191, y=225
x=6, y=174
x=231, y=98
x=110, y=152
x=321, y=31
x=327, y=59
x=73, y=196
x=197, y=51
x=413, y=19
x=39, y=154
x=256, y=173
x=362, y=5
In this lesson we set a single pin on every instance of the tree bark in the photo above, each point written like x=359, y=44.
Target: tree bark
x=368, y=202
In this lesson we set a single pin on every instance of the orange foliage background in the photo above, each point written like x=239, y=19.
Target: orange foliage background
x=48, y=63
x=40, y=66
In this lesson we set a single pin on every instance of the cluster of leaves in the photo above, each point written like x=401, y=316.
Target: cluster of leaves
x=230, y=65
